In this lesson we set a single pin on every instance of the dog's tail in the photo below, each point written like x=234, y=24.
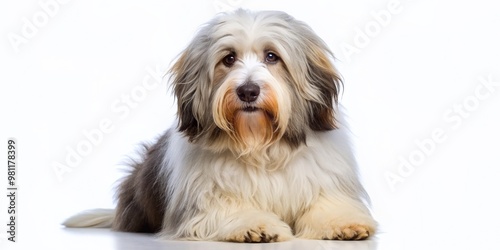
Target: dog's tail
x=102, y=218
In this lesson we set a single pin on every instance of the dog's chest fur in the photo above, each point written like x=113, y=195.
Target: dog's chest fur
x=197, y=177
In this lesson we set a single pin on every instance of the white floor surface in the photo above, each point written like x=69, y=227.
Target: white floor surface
x=105, y=239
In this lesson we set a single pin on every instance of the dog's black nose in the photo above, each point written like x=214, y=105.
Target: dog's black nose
x=248, y=92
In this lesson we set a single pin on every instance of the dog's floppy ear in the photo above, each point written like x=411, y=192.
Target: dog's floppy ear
x=323, y=76
x=185, y=77
x=322, y=82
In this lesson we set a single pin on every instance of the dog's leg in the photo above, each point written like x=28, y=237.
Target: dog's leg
x=336, y=219
x=223, y=222
x=254, y=226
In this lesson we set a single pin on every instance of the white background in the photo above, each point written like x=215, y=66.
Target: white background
x=414, y=78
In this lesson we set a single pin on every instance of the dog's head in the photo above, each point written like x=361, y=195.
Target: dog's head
x=250, y=80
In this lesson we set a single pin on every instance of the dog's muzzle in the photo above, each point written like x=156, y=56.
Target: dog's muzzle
x=248, y=93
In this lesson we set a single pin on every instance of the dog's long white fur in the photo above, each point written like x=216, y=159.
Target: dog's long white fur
x=308, y=173
x=100, y=218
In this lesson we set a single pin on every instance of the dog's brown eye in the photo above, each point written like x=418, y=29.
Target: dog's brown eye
x=229, y=60
x=271, y=58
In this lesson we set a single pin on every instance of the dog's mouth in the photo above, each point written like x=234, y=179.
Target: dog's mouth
x=250, y=109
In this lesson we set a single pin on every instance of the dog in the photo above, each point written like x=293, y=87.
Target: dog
x=260, y=152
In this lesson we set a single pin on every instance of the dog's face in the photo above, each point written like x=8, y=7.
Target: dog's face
x=251, y=80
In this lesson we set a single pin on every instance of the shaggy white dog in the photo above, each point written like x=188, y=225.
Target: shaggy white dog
x=260, y=152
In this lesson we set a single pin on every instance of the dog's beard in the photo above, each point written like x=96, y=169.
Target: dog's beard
x=252, y=127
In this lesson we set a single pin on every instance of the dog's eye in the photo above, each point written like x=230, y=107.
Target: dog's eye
x=229, y=60
x=271, y=58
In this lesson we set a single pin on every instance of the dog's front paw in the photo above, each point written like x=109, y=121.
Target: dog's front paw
x=337, y=230
x=348, y=232
x=329, y=219
x=257, y=227
x=259, y=234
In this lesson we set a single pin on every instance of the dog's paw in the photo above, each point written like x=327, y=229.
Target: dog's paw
x=348, y=232
x=338, y=231
x=334, y=230
x=256, y=227
x=260, y=234
x=336, y=220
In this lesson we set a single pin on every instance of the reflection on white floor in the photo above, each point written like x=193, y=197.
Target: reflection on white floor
x=105, y=239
